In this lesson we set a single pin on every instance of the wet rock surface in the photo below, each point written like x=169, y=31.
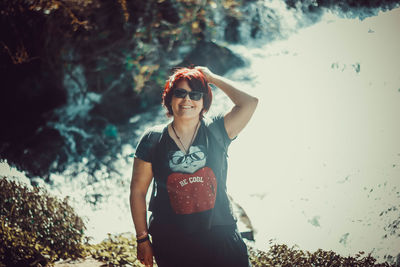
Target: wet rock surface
x=218, y=58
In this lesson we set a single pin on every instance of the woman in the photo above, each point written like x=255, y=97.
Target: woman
x=192, y=223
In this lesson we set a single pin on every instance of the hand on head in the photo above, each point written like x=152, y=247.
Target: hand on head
x=206, y=72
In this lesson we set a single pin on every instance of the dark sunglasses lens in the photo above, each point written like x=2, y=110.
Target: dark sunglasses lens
x=195, y=95
x=180, y=93
x=178, y=159
x=197, y=156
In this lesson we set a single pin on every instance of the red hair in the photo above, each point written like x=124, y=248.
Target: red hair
x=197, y=82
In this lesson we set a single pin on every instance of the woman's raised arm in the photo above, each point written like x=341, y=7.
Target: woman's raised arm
x=245, y=104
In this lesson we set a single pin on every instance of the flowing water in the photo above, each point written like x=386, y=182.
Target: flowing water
x=320, y=160
x=319, y=163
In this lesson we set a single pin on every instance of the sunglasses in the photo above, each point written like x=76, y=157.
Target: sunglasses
x=195, y=156
x=193, y=95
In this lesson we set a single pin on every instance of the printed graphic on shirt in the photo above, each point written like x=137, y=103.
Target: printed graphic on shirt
x=192, y=187
x=189, y=163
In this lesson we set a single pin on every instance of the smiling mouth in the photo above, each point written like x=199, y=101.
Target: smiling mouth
x=186, y=107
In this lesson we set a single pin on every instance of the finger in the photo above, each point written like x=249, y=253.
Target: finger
x=199, y=68
x=149, y=261
x=141, y=259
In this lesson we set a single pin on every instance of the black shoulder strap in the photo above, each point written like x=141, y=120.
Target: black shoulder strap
x=157, y=140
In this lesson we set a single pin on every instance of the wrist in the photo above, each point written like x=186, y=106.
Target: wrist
x=211, y=78
x=142, y=234
x=215, y=79
x=143, y=240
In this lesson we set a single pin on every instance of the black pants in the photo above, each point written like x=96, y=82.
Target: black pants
x=221, y=246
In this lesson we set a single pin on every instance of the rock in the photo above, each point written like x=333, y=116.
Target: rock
x=217, y=58
x=117, y=105
x=244, y=223
x=39, y=153
x=231, y=33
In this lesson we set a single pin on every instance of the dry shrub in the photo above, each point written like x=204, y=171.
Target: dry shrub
x=118, y=250
x=37, y=227
x=282, y=255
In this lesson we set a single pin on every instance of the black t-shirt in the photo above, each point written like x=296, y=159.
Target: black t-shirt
x=189, y=192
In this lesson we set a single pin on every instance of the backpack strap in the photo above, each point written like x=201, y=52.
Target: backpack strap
x=215, y=133
x=213, y=130
x=156, y=138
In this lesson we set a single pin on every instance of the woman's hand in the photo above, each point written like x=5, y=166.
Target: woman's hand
x=145, y=253
x=245, y=104
x=209, y=75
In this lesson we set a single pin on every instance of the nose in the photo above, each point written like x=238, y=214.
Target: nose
x=187, y=97
x=189, y=160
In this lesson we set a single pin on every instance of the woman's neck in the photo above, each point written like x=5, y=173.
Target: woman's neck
x=185, y=126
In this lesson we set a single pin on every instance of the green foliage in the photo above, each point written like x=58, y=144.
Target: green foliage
x=282, y=255
x=37, y=227
x=116, y=251
x=111, y=131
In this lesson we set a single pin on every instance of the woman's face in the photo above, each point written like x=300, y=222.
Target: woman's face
x=186, y=107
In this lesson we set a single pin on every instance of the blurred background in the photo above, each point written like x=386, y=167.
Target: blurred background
x=319, y=164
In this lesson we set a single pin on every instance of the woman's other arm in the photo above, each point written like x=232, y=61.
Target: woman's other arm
x=141, y=179
x=245, y=104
